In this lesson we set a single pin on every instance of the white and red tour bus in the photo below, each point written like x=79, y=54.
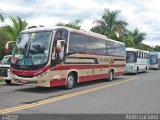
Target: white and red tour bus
x=62, y=56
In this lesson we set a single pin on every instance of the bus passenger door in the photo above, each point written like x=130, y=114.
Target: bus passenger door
x=59, y=47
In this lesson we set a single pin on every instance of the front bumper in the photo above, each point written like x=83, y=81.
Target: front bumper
x=43, y=81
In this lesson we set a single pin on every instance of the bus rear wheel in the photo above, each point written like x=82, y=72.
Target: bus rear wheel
x=111, y=75
x=137, y=72
x=70, y=81
x=146, y=69
x=8, y=82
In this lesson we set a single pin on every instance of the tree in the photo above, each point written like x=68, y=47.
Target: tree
x=110, y=26
x=138, y=36
x=76, y=24
x=129, y=41
x=157, y=48
x=17, y=26
x=1, y=17
x=3, y=40
x=144, y=47
x=10, y=32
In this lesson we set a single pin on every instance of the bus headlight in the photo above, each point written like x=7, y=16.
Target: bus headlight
x=11, y=74
x=42, y=74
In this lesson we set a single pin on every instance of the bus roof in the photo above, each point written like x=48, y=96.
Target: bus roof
x=153, y=53
x=135, y=50
x=89, y=33
x=131, y=49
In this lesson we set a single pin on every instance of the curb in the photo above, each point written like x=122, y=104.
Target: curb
x=2, y=82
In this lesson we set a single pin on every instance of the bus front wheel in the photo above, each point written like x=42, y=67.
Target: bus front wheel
x=70, y=83
x=8, y=82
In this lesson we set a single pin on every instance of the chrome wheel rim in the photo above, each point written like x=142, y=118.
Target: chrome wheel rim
x=70, y=81
x=111, y=76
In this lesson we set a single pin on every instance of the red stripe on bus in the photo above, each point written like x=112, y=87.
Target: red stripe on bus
x=57, y=82
x=61, y=82
x=93, y=77
x=68, y=67
x=30, y=73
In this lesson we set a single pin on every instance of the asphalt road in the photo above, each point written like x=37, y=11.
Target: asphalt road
x=126, y=94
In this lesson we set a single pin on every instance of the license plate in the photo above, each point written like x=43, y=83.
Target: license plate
x=24, y=81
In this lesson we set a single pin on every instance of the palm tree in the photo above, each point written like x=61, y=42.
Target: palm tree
x=138, y=36
x=17, y=26
x=109, y=25
x=3, y=40
x=1, y=17
x=76, y=24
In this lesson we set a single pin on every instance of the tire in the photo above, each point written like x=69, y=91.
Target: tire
x=137, y=72
x=111, y=76
x=146, y=69
x=70, y=83
x=8, y=82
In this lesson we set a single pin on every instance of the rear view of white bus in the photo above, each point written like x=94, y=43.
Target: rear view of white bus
x=154, y=60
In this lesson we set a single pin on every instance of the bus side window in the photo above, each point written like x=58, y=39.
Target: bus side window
x=139, y=54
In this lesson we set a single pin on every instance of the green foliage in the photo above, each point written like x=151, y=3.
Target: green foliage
x=3, y=40
x=1, y=79
x=1, y=17
x=110, y=26
x=76, y=24
x=114, y=28
x=10, y=33
x=138, y=36
x=129, y=41
x=157, y=48
x=17, y=26
x=144, y=47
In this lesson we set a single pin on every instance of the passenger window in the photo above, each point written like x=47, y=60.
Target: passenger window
x=76, y=43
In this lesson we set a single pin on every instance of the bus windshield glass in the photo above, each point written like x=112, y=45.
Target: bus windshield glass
x=154, y=59
x=31, y=49
x=130, y=56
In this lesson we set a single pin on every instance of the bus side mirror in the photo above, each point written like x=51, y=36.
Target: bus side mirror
x=59, y=46
x=6, y=48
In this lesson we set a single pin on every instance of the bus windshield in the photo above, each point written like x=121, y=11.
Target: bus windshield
x=31, y=49
x=130, y=56
x=153, y=59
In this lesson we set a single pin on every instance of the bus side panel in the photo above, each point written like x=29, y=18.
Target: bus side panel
x=86, y=69
x=92, y=77
x=92, y=73
x=57, y=82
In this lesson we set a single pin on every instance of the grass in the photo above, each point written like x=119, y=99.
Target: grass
x=1, y=79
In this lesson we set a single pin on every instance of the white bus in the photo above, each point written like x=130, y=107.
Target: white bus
x=154, y=60
x=5, y=69
x=137, y=60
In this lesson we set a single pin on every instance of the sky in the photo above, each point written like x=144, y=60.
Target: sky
x=141, y=14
